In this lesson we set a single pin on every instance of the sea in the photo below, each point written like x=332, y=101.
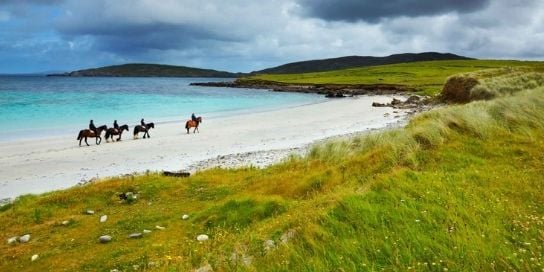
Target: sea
x=38, y=106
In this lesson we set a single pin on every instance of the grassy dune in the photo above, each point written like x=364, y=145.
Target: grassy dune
x=459, y=189
x=426, y=77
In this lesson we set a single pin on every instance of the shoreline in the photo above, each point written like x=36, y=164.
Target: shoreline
x=43, y=166
x=329, y=90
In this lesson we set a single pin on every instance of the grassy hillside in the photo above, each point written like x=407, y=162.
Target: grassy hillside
x=459, y=189
x=426, y=77
x=149, y=70
x=355, y=61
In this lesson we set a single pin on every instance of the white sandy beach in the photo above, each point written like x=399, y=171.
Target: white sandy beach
x=38, y=166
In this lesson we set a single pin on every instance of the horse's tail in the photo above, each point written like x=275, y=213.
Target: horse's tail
x=80, y=135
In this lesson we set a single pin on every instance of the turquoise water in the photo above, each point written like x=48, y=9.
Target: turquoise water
x=52, y=106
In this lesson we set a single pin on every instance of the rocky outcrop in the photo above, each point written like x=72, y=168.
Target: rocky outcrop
x=413, y=102
x=329, y=90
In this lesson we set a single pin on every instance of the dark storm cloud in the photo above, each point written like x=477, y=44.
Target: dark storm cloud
x=373, y=11
x=135, y=39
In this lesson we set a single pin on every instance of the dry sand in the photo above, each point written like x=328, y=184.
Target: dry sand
x=38, y=166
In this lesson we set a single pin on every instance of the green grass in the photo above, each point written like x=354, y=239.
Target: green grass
x=426, y=77
x=460, y=188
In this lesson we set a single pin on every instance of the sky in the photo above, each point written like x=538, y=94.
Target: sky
x=249, y=35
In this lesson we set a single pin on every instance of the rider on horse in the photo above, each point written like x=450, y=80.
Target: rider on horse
x=116, y=126
x=92, y=127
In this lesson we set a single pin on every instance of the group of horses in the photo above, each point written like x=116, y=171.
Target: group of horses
x=110, y=132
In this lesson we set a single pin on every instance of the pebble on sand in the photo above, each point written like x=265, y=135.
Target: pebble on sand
x=202, y=237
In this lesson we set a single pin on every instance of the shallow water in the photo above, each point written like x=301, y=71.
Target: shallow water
x=41, y=106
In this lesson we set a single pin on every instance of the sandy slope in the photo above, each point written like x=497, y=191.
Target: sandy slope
x=49, y=164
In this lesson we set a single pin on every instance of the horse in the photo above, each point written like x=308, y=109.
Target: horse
x=87, y=133
x=144, y=129
x=193, y=123
x=112, y=131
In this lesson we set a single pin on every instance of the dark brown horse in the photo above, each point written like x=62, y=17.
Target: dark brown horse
x=112, y=131
x=193, y=123
x=87, y=133
x=144, y=129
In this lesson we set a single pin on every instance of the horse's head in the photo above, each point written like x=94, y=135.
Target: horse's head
x=123, y=127
x=150, y=125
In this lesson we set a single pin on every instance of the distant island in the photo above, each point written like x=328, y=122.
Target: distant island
x=323, y=65
x=148, y=70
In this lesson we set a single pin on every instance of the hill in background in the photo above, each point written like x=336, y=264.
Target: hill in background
x=148, y=70
x=356, y=61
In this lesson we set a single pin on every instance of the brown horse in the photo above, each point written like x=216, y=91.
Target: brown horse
x=144, y=129
x=112, y=131
x=87, y=133
x=193, y=123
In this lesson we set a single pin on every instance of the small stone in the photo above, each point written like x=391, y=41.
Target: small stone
x=202, y=237
x=103, y=218
x=25, y=238
x=146, y=231
x=90, y=212
x=247, y=260
x=12, y=240
x=185, y=217
x=290, y=234
x=104, y=239
x=65, y=223
x=206, y=268
x=159, y=227
x=137, y=235
x=34, y=257
x=269, y=245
